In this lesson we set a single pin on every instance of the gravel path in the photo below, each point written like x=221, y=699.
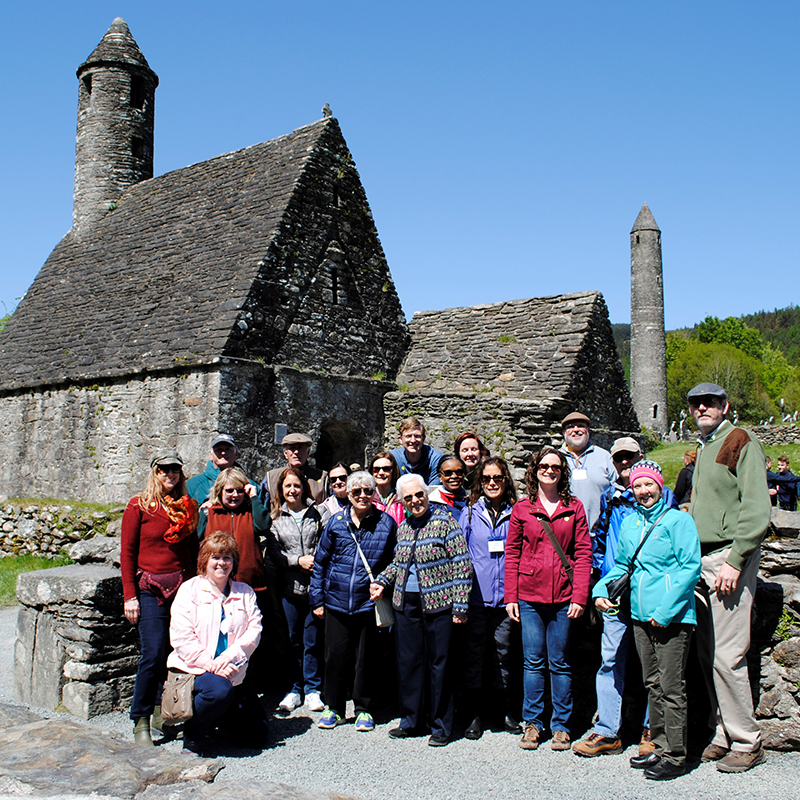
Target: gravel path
x=374, y=766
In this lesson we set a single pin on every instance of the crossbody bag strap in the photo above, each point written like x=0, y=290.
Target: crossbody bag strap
x=557, y=547
x=644, y=539
x=363, y=558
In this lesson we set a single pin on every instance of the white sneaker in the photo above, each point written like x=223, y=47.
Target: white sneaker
x=290, y=702
x=314, y=702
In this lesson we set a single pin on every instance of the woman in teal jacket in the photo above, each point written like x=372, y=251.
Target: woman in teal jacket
x=665, y=572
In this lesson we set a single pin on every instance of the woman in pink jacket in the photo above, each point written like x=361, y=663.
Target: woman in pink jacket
x=548, y=566
x=214, y=629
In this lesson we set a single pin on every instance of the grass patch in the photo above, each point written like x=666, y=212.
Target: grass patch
x=11, y=566
x=77, y=505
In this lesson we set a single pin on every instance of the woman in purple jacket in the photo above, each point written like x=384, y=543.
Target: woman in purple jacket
x=489, y=628
x=548, y=565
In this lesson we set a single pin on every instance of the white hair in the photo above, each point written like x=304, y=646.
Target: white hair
x=360, y=479
x=404, y=480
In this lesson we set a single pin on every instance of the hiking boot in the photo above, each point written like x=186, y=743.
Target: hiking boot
x=596, y=745
x=560, y=741
x=714, y=752
x=646, y=744
x=530, y=737
x=737, y=761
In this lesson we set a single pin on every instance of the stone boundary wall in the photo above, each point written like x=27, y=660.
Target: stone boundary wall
x=48, y=529
x=776, y=435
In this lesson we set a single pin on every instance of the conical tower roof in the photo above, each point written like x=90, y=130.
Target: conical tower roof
x=117, y=47
x=645, y=221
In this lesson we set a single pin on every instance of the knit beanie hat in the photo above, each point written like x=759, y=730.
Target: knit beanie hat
x=649, y=469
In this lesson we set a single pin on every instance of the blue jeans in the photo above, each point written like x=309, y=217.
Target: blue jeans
x=152, y=670
x=545, y=635
x=610, y=681
x=305, y=637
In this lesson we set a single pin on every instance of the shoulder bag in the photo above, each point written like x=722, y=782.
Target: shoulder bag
x=384, y=613
x=176, y=701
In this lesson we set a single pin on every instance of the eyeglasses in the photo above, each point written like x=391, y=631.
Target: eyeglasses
x=233, y=491
x=576, y=426
x=381, y=468
x=451, y=473
x=359, y=491
x=487, y=479
x=165, y=468
x=339, y=479
x=551, y=467
x=409, y=497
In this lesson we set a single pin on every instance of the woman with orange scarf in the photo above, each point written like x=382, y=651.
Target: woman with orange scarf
x=158, y=553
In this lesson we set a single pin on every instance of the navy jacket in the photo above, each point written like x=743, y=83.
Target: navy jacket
x=339, y=581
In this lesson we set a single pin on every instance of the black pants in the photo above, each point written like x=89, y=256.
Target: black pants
x=663, y=653
x=423, y=642
x=350, y=650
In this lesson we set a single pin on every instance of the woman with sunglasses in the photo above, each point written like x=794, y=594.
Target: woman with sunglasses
x=548, y=566
x=451, y=495
x=340, y=596
x=384, y=469
x=337, y=479
x=431, y=578
x=292, y=545
x=490, y=631
x=158, y=552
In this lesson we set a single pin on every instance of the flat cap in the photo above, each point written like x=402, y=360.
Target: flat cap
x=707, y=390
x=165, y=458
x=575, y=416
x=625, y=444
x=296, y=438
x=222, y=438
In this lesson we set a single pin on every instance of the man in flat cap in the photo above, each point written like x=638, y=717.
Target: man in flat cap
x=296, y=447
x=730, y=504
x=591, y=468
x=223, y=455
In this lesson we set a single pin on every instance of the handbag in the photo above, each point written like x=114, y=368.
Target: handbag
x=619, y=586
x=176, y=701
x=384, y=613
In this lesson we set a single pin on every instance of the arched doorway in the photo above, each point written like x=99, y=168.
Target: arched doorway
x=339, y=440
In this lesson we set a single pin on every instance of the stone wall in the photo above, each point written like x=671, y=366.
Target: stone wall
x=776, y=435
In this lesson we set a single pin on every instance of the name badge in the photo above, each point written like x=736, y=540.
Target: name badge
x=497, y=545
x=579, y=475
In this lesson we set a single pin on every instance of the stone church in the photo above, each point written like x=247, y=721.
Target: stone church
x=250, y=294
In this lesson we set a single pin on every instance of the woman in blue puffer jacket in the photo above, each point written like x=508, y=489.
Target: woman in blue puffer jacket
x=490, y=631
x=665, y=573
x=339, y=594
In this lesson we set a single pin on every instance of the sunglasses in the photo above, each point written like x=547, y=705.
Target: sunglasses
x=165, y=468
x=622, y=456
x=339, y=479
x=487, y=479
x=409, y=497
x=381, y=468
x=358, y=492
x=551, y=467
x=451, y=473
x=233, y=491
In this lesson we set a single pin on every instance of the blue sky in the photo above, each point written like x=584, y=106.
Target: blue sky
x=505, y=147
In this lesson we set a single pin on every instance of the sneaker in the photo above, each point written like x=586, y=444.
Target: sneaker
x=714, y=752
x=560, y=741
x=330, y=719
x=530, y=738
x=364, y=722
x=738, y=761
x=290, y=703
x=646, y=744
x=314, y=702
x=596, y=745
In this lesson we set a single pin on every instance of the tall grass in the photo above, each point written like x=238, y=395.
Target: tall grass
x=11, y=566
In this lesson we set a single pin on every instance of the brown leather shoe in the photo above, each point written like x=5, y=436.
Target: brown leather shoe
x=530, y=737
x=714, y=752
x=560, y=741
x=596, y=745
x=646, y=745
x=737, y=761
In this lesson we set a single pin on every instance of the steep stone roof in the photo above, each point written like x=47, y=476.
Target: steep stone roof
x=645, y=221
x=218, y=259
x=117, y=46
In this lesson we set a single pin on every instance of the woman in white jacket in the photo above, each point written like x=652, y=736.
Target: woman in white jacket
x=214, y=628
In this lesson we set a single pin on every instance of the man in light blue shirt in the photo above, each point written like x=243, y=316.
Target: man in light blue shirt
x=415, y=457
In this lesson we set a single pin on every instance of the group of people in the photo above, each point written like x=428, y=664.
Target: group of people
x=437, y=552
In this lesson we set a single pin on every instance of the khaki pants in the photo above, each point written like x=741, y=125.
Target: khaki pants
x=723, y=639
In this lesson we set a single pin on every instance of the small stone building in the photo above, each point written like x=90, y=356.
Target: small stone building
x=248, y=293
x=511, y=371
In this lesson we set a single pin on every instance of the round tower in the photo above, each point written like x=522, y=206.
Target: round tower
x=116, y=112
x=648, y=341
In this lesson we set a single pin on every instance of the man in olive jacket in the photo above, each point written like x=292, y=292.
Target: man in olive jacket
x=730, y=504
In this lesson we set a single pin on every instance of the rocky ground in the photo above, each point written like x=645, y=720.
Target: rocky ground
x=62, y=757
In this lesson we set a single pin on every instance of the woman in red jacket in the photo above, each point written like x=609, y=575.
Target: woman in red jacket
x=158, y=552
x=548, y=565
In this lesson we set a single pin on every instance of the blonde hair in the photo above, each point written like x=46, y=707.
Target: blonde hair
x=234, y=475
x=153, y=494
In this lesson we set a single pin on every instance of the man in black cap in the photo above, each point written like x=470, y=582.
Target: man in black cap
x=592, y=470
x=223, y=455
x=730, y=504
x=296, y=447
